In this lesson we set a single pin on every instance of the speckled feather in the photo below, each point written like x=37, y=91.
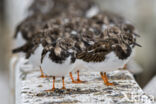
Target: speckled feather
x=43, y=20
x=88, y=39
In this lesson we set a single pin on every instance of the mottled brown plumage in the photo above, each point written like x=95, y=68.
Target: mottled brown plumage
x=92, y=38
x=61, y=36
x=91, y=41
x=30, y=26
x=43, y=10
x=58, y=8
x=43, y=20
x=117, y=36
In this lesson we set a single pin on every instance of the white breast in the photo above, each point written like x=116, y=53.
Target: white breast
x=79, y=65
x=111, y=63
x=35, y=58
x=20, y=40
x=51, y=68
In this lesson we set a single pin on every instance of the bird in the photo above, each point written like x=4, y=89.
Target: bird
x=53, y=47
x=108, y=44
x=58, y=60
x=58, y=8
x=69, y=34
x=24, y=34
x=39, y=12
x=58, y=40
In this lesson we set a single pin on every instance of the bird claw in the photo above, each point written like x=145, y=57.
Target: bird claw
x=63, y=88
x=79, y=81
x=51, y=90
x=43, y=76
x=109, y=84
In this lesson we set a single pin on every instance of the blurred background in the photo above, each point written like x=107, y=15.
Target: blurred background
x=141, y=13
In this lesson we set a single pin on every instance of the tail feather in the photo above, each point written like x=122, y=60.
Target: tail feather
x=17, y=50
x=25, y=48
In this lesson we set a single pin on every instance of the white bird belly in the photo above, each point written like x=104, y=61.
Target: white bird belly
x=111, y=63
x=51, y=68
x=79, y=65
x=19, y=40
x=35, y=58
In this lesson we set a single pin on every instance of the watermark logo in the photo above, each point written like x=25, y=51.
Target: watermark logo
x=138, y=98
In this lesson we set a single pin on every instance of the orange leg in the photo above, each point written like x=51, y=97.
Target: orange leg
x=78, y=77
x=42, y=74
x=71, y=76
x=105, y=79
x=63, y=87
x=53, y=88
x=125, y=66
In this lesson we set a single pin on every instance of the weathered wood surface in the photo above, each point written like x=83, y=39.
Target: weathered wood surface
x=30, y=88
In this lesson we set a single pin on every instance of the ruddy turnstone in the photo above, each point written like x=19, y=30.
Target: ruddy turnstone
x=68, y=27
x=89, y=31
x=60, y=36
x=58, y=8
x=57, y=59
x=103, y=42
x=42, y=11
x=32, y=50
x=24, y=34
x=109, y=44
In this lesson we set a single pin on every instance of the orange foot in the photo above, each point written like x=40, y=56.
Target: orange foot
x=63, y=88
x=79, y=81
x=51, y=90
x=78, y=78
x=109, y=84
x=74, y=81
x=42, y=74
x=71, y=76
x=105, y=79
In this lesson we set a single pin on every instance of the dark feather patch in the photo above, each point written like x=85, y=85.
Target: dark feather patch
x=89, y=39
